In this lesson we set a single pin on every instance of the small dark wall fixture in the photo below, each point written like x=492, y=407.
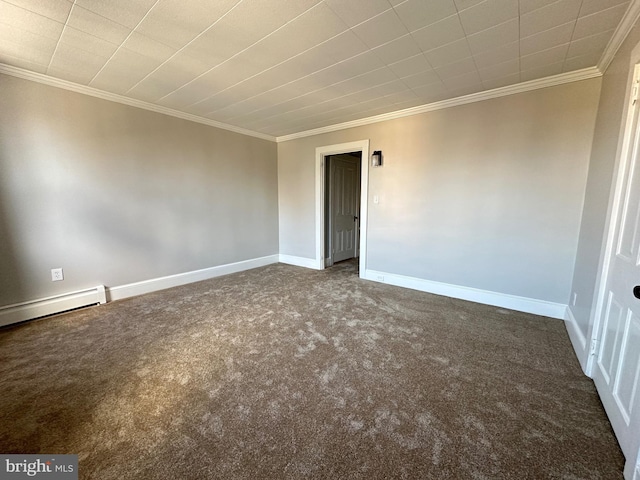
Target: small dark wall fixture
x=376, y=158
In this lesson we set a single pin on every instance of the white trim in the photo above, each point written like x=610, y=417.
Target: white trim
x=497, y=299
x=321, y=152
x=552, y=81
x=155, y=284
x=578, y=340
x=622, y=31
x=300, y=261
x=20, y=312
x=113, y=97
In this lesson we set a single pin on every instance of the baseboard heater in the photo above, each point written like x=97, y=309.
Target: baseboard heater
x=19, y=312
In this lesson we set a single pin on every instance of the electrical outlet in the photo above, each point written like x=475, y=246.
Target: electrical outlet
x=56, y=275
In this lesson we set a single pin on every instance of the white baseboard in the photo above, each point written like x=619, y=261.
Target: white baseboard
x=300, y=261
x=161, y=283
x=578, y=340
x=20, y=312
x=511, y=302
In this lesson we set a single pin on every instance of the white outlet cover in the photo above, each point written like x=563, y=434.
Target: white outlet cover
x=56, y=275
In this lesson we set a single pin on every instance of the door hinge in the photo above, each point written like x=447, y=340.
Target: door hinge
x=595, y=344
x=634, y=93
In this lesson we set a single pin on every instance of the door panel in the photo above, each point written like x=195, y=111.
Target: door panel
x=617, y=367
x=345, y=181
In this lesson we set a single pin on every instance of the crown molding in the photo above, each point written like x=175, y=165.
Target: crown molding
x=624, y=28
x=113, y=97
x=575, y=76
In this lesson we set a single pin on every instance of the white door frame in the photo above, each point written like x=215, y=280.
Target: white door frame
x=615, y=204
x=321, y=152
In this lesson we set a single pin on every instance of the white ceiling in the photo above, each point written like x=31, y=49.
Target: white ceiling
x=278, y=67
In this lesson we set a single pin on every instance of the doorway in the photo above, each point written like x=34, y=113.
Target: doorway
x=342, y=207
x=360, y=148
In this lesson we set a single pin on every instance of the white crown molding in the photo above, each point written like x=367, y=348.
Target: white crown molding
x=113, y=97
x=560, y=79
x=624, y=27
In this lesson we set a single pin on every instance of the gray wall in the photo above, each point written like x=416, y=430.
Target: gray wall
x=115, y=194
x=487, y=195
x=603, y=160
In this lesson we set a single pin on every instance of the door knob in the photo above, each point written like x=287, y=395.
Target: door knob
x=636, y=291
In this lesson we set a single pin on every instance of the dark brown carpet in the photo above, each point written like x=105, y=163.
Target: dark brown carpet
x=284, y=372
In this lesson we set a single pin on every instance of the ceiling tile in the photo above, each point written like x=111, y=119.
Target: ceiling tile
x=219, y=43
x=19, y=43
x=29, y=21
x=171, y=75
x=497, y=36
x=438, y=34
x=599, y=22
x=552, y=15
x=82, y=63
x=310, y=29
x=456, y=69
x=584, y=61
x=92, y=23
x=501, y=82
x=593, y=6
x=464, y=4
x=125, y=12
x=432, y=93
x=423, y=78
x=541, y=72
x=487, y=14
x=546, y=57
x=411, y=66
x=353, y=12
x=124, y=69
x=57, y=10
x=506, y=69
x=148, y=47
x=416, y=14
x=502, y=54
x=20, y=61
x=171, y=23
x=593, y=45
x=471, y=79
x=547, y=39
x=87, y=42
x=380, y=29
x=398, y=49
x=527, y=6
x=447, y=54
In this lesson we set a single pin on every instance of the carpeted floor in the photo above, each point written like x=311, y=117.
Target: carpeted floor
x=283, y=372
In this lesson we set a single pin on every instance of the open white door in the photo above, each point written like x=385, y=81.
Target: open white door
x=617, y=364
x=345, y=179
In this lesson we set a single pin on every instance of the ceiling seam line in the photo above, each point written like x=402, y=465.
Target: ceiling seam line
x=235, y=55
x=183, y=47
x=122, y=43
x=64, y=27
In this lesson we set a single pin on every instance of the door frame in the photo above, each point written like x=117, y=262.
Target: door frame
x=321, y=152
x=616, y=202
x=329, y=224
